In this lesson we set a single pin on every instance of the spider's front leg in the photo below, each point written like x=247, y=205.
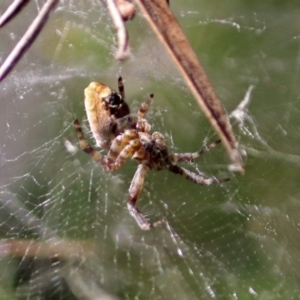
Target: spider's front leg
x=145, y=106
x=85, y=146
x=134, y=192
x=122, y=147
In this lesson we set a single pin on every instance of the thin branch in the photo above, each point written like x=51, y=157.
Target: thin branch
x=12, y=11
x=126, y=9
x=123, y=48
x=28, y=38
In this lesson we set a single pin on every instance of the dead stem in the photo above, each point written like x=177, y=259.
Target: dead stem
x=27, y=39
x=12, y=11
x=118, y=20
x=126, y=9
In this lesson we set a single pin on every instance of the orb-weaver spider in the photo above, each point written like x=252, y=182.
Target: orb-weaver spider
x=126, y=135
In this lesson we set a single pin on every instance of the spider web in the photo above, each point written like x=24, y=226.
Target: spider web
x=65, y=230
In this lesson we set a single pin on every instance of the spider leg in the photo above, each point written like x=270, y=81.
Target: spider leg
x=180, y=157
x=122, y=147
x=133, y=194
x=145, y=106
x=195, y=177
x=142, y=124
x=126, y=152
x=121, y=87
x=85, y=146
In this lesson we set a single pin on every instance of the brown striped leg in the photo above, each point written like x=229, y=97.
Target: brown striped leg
x=180, y=157
x=195, y=177
x=85, y=146
x=145, y=106
x=122, y=147
x=126, y=152
x=133, y=194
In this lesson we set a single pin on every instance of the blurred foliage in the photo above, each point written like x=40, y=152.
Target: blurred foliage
x=240, y=240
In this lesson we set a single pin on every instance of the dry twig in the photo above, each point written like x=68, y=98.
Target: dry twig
x=121, y=11
x=28, y=38
x=12, y=11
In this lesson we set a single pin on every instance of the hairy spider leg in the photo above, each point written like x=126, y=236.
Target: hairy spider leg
x=133, y=194
x=121, y=87
x=196, y=178
x=180, y=157
x=145, y=106
x=122, y=147
x=142, y=124
x=85, y=146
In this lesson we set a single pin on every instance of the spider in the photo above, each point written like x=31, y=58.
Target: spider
x=125, y=135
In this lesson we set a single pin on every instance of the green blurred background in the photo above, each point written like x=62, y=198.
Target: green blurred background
x=236, y=241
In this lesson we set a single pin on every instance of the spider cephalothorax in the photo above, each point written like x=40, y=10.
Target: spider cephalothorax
x=125, y=135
